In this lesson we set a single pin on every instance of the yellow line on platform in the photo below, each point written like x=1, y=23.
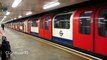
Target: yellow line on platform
x=66, y=50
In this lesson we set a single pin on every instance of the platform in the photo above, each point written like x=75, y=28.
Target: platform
x=27, y=47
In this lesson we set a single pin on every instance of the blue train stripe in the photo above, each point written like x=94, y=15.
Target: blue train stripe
x=20, y=30
x=34, y=33
x=62, y=40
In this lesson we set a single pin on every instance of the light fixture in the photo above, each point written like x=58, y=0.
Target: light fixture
x=11, y=19
x=50, y=5
x=14, y=18
x=4, y=16
x=19, y=16
x=28, y=13
x=3, y=19
x=7, y=13
x=15, y=3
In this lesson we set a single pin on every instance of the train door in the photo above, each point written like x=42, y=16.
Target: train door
x=10, y=25
x=101, y=31
x=22, y=26
x=48, y=27
x=29, y=27
x=14, y=25
x=41, y=26
x=84, y=28
x=18, y=26
x=45, y=29
x=25, y=26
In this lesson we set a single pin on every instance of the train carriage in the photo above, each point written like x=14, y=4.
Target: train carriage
x=29, y=26
x=14, y=25
x=84, y=28
x=101, y=30
x=25, y=25
x=90, y=29
x=20, y=24
x=34, y=26
x=63, y=28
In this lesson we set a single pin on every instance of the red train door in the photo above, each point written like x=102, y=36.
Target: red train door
x=22, y=26
x=48, y=27
x=84, y=28
x=18, y=26
x=101, y=31
x=45, y=27
x=41, y=26
x=29, y=27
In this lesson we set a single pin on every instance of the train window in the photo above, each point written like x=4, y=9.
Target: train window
x=84, y=22
x=62, y=21
x=41, y=23
x=35, y=22
x=102, y=23
x=20, y=23
x=47, y=22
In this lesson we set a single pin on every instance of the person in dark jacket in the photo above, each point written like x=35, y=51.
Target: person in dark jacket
x=2, y=25
x=5, y=48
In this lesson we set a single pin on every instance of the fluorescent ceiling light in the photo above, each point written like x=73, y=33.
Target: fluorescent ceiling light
x=50, y=5
x=15, y=3
x=28, y=13
x=4, y=16
x=3, y=19
x=7, y=13
x=19, y=16
x=14, y=18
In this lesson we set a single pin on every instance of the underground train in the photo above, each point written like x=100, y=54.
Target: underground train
x=85, y=28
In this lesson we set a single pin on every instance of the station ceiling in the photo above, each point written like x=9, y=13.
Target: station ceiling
x=35, y=6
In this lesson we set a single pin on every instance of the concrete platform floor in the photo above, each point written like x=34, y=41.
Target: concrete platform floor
x=26, y=47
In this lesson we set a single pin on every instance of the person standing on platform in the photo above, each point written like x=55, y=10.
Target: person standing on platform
x=5, y=49
x=2, y=25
